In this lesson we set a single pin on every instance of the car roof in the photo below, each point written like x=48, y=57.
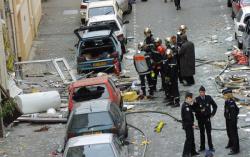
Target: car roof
x=90, y=81
x=102, y=18
x=92, y=106
x=90, y=139
x=101, y=4
x=93, y=34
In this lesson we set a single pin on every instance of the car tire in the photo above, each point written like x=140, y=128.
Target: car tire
x=240, y=45
x=229, y=3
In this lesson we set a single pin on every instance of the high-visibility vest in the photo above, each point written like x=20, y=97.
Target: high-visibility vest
x=141, y=64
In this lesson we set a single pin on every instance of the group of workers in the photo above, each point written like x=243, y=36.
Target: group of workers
x=172, y=61
x=201, y=106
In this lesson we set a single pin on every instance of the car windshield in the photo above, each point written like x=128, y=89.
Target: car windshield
x=101, y=11
x=111, y=23
x=87, y=93
x=90, y=120
x=94, y=150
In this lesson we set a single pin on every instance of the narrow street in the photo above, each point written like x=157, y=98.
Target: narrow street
x=204, y=19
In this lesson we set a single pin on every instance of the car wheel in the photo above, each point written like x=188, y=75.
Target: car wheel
x=129, y=8
x=240, y=45
x=229, y=3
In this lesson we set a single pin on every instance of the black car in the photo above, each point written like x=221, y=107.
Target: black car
x=96, y=117
x=98, y=49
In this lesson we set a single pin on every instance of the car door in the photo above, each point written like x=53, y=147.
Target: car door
x=237, y=21
x=116, y=92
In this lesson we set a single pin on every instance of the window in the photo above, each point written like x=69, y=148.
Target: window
x=101, y=11
x=87, y=93
x=94, y=150
x=90, y=120
x=239, y=15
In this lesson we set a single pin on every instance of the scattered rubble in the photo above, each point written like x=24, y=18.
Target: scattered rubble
x=42, y=129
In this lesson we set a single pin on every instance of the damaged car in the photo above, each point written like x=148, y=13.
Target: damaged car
x=98, y=50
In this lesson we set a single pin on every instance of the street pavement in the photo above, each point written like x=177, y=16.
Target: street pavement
x=203, y=18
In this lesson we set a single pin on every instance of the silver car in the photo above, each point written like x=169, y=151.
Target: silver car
x=96, y=145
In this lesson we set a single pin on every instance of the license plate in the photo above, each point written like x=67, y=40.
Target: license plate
x=99, y=64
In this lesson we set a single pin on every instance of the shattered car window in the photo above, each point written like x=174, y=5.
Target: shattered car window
x=108, y=10
x=87, y=93
x=94, y=150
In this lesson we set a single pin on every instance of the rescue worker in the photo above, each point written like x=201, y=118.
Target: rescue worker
x=157, y=65
x=177, y=4
x=187, y=61
x=188, y=125
x=149, y=39
x=143, y=66
x=168, y=42
x=182, y=30
x=174, y=48
x=171, y=79
x=203, y=114
x=231, y=112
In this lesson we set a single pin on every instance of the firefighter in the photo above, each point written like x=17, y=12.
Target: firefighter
x=182, y=30
x=143, y=66
x=188, y=125
x=157, y=65
x=203, y=113
x=168, y=43
x=171, y=79
x=149, y=39
x=231, y=112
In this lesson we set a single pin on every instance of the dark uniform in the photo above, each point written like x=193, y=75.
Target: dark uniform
x=187, y=123
x=231, y=115
x=171, y=81
x=149, y=40
x=178, y=46
x=203, y=113
x=177, y=4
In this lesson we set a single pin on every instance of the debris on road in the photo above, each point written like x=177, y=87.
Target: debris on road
x=38, y=102
x=42, y=129
x=130, y=96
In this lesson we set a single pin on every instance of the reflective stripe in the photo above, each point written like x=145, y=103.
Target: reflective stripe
x=139, y=58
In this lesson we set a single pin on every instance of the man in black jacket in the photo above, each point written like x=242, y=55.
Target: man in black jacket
x=203, y=113
x=231, y=115
x=188, y=125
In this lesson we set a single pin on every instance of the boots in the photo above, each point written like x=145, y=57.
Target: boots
x=176, y=102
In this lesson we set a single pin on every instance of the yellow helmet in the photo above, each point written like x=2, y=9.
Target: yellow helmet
x=147, y=30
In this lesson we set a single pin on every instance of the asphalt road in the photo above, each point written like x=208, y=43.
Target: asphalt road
x=204, y=19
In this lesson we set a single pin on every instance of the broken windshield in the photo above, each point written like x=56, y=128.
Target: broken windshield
x=101, y=11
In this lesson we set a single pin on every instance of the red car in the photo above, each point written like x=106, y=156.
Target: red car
x=237, y=5
x=94, y=88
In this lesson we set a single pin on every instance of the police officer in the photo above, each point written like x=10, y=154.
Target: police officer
x=188, y=125
x=171, y=79
x=143, y=66
x=203, y=113
x=231, y=115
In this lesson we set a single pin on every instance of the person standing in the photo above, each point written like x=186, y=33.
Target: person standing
x=187, y=61
x=143, y=66
x=177, y=4
x=171, y=79
x=203, y=113
x=231, y=112
x=188, y=125
x=149, y=39
x=178, y=42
